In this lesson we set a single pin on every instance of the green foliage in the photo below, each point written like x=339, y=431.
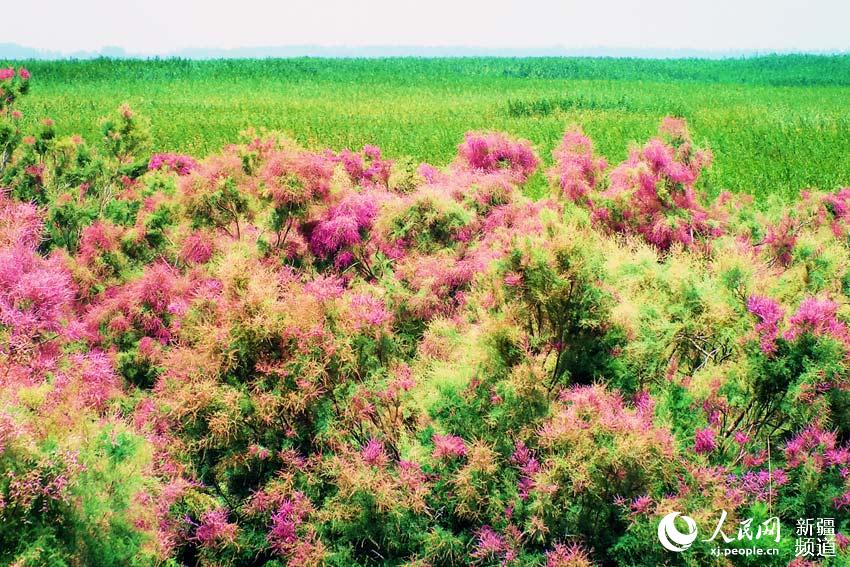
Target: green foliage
x=567, y=311
x=126, y=137
x=430, y=223
x=82, y=514
x=218, y=207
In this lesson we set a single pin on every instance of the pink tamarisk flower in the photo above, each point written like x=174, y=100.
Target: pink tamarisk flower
x=178, y=163
x=578, y=170
x=573, y=555
x=704, y=441
x=448, y=446
x=818, y=317
x=488, y=543
x=770, y=314
x=214, y=528
x=373, y=453
x=494, y=152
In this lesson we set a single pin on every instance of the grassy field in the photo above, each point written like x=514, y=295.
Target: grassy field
x=775, y=124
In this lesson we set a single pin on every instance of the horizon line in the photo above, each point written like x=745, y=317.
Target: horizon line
x=12, y=51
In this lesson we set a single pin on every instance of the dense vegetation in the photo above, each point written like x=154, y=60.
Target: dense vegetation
x=280, y=356
x=768, y=120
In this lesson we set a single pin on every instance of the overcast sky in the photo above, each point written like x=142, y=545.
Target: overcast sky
x=161, y=26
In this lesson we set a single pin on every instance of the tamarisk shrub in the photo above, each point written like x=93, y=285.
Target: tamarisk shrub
x=493, y=152
x=126, y=136
x=652, y=193
x=212, y=197
x=343, y=228
x=12, y=86
x=635, y=457
x=291, y=180
x=578, y=170
x=567, y=312
x=70, y=471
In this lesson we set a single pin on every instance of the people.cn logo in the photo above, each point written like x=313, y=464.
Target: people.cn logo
x=670, y=536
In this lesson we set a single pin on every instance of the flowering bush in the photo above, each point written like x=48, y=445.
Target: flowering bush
x=492, y=152
x=179, y=164
x=286, y=357
x=578, y=171
x=652, y=193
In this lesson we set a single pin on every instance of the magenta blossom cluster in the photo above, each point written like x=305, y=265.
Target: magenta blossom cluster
x=652, y=193
x=780, y=240
x=760, y=484
x=816, y=447
x=838, y=205
x=178, y=163
x=818, y=317
x=367, y=311
x=365, y=167
x=9, y=73
x=704, y=441
x=344, y=224
x=374, y=453
x=578, y=170
x=197, y=248
x=35, y=292
x=215, y=529
x=493, y=152
x=285, y=522
x=489, y=544
x=528, y=467
x=448, y=446
x=770, y=315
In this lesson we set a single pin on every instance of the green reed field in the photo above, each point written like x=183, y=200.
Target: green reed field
x=776, y=124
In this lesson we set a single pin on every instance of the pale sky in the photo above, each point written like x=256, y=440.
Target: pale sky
x=162, y=26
